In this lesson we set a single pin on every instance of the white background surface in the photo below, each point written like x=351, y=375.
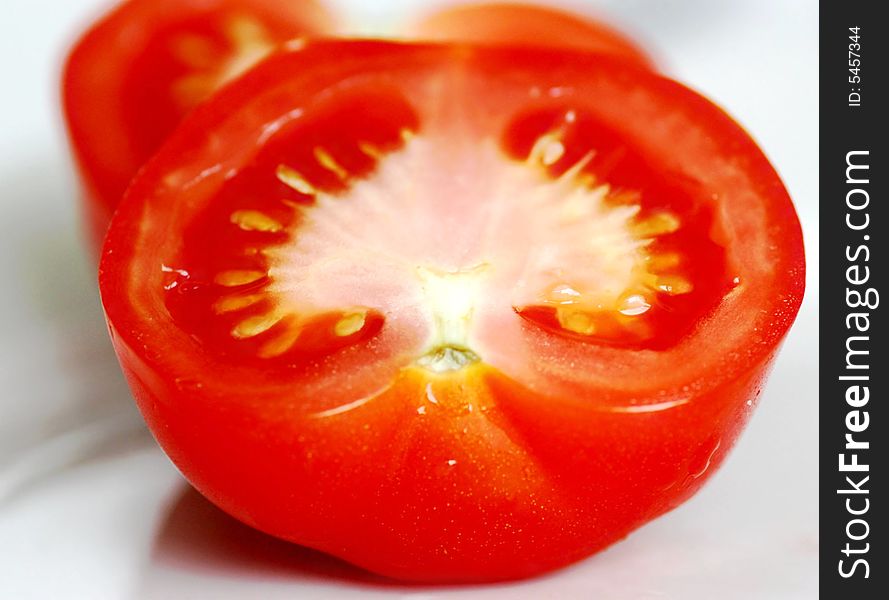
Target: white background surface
x=90, y=508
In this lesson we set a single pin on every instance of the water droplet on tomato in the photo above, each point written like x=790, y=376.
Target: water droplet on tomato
x=635, y=305
x=701, y=461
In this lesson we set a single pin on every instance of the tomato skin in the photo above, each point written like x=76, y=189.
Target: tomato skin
x=526, y=24
x=399, y=512
x=552, y=462
x=97, y=85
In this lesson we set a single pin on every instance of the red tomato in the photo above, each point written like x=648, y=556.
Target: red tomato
x=451, y=313
x=524, y=24
x=141, y=68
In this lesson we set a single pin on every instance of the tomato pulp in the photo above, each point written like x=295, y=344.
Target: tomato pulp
x=142, y=67
x=451, y=313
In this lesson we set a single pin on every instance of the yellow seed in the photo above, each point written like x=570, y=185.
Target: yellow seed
x=196, y=51
x=244, y=31
x=280, y=344
x=674, y=285
x=253, y=326
x=350, y=324
x=547, y=150
x=293, y=179
x=295, y=205
x=191, y=89
x=660, y=262
x=622, y=197
x=250, y=43
x=658, y=224
x=406, y=135
x=370, y=150
x=233, y=303
x=236, y=278
x=576, y=320
x=588, y=181
x=327, y=161
x=253, y=220
x=638, y=328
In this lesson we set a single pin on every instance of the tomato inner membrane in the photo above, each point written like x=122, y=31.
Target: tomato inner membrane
x=356, y=218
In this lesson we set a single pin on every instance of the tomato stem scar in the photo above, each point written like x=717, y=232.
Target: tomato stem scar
x=450, y=297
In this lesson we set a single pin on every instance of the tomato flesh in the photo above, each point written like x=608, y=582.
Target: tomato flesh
x=141, y=68
x=451, y=313
x=228, y=249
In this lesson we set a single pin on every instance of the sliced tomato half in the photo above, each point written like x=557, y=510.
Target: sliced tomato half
x=451, y=313
x=142, y=67
x=526, y=24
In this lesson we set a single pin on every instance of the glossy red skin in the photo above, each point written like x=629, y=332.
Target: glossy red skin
x=527, y=24
x=587, y=460
x=100, y=86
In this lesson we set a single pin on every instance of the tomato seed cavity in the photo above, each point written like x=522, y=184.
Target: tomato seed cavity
x=559, y=221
